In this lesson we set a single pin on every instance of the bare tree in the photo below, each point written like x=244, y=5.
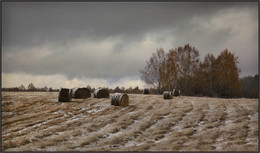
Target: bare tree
x=22, y=88
x=152, y=73
x=171, y=70
x=31, y=87
x=187, y=64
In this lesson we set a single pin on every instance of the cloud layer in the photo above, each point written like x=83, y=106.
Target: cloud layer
x=112, y=41
x=60, y=81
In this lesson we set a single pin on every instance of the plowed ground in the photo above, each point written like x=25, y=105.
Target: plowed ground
x=35, y=121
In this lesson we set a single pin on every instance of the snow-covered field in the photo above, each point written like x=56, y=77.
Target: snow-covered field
x=35, y=121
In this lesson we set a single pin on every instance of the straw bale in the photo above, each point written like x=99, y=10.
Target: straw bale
x=101, y=93
x=80, y=93
x=176, y=92
x=65, y=95
x=167, y=95
x=146, y=91
x=120, y=99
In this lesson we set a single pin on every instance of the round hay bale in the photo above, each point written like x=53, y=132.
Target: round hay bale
x=80, y=93
x=167, y=95
x=176, y=92
x=146, y=91
x=65, y=95
x=120, y=99
x=101, y=93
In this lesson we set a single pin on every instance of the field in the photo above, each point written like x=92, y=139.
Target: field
x=36, y=121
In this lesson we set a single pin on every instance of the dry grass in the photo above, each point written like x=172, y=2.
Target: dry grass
x=33, y=121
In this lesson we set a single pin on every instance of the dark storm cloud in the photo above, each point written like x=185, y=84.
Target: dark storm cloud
x=101, y=40
x=37, y=23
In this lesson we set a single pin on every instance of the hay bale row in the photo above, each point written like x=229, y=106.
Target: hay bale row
x=176, y=92
x=101, y=93
x=167, y=95
x=146, y=91
x=120, y=99
x=80, y=93
x=65, y=95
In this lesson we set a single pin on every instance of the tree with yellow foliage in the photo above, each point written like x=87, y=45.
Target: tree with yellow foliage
x=226, y=75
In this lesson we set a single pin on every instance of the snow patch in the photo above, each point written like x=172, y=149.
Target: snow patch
x=178, y=128
x=75, y=118
x=159, y=122
x=132, y=143
x=115, y=134
x=129, y=113
x=201, y=123
x=161, y=140
x=69, y=113
x=136, y=121
x=58, y=112
x=35, y=125
x=200, y=126
x=82, y=109
x=252, y=141
x=166, y=116
x=228, y=110
x=189, y=113
x=228, y=122
x=7, y=113
x=253, y=117
x=211, y=107
x=192, y=102
x=96, y=110
x=218, y=144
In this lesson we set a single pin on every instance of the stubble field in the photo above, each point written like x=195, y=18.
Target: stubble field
x=36, y=121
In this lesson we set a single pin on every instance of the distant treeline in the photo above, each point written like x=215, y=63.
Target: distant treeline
x=30, y=88
x=248, y=88
x=130, y=90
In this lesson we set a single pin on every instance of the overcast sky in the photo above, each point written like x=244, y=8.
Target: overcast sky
x=66, y=44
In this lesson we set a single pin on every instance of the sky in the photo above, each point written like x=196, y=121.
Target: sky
x=105, y=44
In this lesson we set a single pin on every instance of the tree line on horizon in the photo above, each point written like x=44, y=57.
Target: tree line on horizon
x=182, y=68
x=248, y=89
x=32, y=88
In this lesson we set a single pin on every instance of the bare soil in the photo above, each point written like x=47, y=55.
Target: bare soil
x=36, y=121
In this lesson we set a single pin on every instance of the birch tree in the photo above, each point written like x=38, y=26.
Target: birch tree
x=152, y=74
